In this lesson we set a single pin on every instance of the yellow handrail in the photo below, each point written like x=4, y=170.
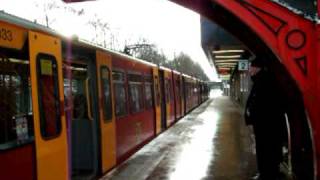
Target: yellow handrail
x=88, y=99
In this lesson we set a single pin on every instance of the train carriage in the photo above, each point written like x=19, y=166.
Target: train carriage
x=71, y=110
x=134, y=109
x=33, y=136
x=191, y=97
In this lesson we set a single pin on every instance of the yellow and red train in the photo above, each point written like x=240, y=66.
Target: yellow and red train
x=73, y=110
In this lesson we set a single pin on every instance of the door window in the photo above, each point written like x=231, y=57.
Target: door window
x=136, y=92
x=120, y=93
x=148, y=92
x=16, y=121
x=75, y=90
x=106, y=93
x=48, y=91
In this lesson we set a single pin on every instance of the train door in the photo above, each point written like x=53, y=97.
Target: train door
x=177, y=94
x=163, y=100
x=107, y=115
x=157, y=99
x=184, y=95
x=169, y=98
x=78, y=107
x=197, y=92
x=47, y=95
x=17, y=148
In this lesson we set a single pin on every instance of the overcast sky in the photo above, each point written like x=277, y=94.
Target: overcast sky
x=171, y=27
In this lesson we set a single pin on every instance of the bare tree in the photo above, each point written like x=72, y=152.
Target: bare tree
x=144, y=49
x=185, y=64
x=48, y=7
x=105, y=36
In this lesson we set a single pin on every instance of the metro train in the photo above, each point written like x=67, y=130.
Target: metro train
x=71, y=110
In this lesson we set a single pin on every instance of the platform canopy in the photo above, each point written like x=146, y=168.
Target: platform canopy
x=223, y=51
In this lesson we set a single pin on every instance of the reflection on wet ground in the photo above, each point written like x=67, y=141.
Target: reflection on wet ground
x=212, y=142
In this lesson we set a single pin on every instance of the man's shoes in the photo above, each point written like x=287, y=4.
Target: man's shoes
x=281, y=176
x=256, y=177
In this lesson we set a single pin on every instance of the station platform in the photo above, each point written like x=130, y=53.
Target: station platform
x=211, y=142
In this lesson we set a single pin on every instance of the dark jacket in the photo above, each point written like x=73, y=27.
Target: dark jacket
x=264, y=102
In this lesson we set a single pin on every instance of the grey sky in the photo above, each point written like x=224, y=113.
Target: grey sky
x=171, y=27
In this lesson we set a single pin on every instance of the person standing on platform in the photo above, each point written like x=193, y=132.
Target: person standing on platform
x=264, y=111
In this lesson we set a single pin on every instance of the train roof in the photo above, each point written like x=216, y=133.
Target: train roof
x=29, y=25
x=165, y=68
x=176, y=72
x=113, y=52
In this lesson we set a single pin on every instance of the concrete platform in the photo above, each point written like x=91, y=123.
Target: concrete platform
x=212, y=142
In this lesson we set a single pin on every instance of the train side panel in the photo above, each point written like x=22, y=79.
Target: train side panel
x=177, y=95
x=135, y=122
x=17, y=148
x=157, y=99
x=169, y=98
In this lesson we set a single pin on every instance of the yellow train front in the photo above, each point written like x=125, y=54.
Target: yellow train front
x=73, y=110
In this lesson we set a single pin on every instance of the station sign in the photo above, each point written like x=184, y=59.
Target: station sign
x=224, y=71
x=243, y=65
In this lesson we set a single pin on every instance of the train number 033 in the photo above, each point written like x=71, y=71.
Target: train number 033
x=6, y=34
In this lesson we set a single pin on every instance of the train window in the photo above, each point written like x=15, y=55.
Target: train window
x=189, y=90
x=148, y=92
x=171, y=90
x=157, y=92
x=178, y=89
x=167, y=93
x=120, y=93
x=118, y=76
x=106, y=93
x=75, y=90
x=48, y=90
x=135, y=91
x=16, y=120
x=148, y=97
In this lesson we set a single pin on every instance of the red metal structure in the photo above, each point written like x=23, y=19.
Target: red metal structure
x=289, y=41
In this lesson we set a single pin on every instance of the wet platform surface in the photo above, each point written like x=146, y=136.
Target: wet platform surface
x=212, y=142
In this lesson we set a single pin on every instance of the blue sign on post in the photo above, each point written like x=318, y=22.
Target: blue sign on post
x=243, y=65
